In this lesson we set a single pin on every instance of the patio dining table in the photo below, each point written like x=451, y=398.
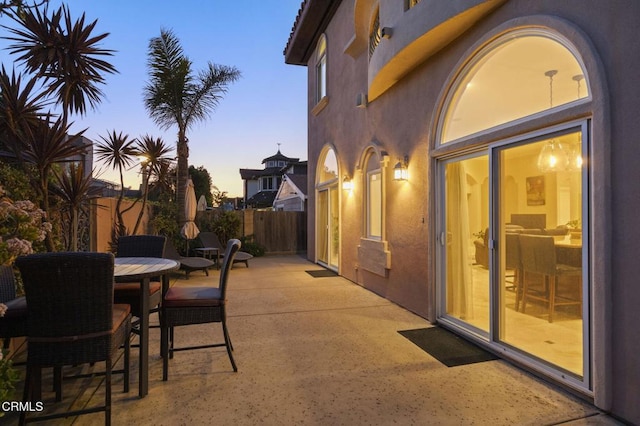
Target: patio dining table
x=142, y=269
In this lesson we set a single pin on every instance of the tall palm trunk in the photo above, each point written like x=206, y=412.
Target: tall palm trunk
x=183, y=175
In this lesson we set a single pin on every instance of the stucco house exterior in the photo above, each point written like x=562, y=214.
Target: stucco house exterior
x=514, y=120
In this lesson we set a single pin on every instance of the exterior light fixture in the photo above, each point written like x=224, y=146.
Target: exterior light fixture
x=347, y=184
x=400, y=171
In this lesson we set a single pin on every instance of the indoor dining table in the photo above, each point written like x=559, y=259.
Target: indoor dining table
x=142, y=269
x=569, y=251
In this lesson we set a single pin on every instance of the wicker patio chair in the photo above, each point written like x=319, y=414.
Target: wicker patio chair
x=196, y=305
x=72, y=320
x=188, y=263
x=14, y=322
x=129, y=293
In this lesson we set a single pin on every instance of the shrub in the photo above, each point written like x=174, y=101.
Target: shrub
x=251, y=247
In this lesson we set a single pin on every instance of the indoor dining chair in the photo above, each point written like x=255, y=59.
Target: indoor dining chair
x=184, y=305
x=538, y=257
x=72, y=321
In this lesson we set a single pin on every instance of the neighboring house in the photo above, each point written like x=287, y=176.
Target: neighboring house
x=261, y=185
x=292, y=194
x=432, y=120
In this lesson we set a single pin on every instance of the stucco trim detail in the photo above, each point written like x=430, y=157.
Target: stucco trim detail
x=374, y=256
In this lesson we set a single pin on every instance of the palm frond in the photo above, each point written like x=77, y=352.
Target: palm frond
x=156, y=152
x=20, y=110
x=116, y=151
x=52, y=143
x=65, y=54
x=207, y=94
x=73, y=186
x=170, y=74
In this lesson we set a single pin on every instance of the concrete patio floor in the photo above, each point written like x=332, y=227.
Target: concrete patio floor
x=321, y=351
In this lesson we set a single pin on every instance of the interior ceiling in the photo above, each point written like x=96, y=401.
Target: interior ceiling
x=510, y=82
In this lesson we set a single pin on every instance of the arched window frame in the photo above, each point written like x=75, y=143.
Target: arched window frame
x=469, y=66
x=372, y=167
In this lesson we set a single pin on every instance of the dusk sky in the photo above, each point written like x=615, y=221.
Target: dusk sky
x=266, y=107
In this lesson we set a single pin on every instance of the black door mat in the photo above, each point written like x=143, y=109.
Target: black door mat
x=446, y=347
x=319, y=273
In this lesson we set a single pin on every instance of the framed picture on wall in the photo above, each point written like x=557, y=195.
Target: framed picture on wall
x=535, y=191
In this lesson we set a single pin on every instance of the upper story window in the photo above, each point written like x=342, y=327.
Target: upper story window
x=321, y=69
x=374, y=33
x=533, y=70
x=267, y=183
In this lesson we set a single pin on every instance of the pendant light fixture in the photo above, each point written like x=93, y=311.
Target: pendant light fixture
x=553, y=157
x=575, y=156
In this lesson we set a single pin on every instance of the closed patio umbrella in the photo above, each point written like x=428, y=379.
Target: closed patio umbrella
x=189, y=230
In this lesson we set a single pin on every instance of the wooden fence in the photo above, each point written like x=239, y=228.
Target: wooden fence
x=280, y=232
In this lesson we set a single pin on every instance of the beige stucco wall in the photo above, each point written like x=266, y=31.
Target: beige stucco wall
x=402, y=121
x=104, y=214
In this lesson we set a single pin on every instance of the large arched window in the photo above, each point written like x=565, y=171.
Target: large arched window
x=525, y=73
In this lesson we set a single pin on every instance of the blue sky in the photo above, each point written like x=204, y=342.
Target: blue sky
x=265, y=107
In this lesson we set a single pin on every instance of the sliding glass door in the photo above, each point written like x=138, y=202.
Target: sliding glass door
x=464, y=241
x=540, y=248
x=512, y=252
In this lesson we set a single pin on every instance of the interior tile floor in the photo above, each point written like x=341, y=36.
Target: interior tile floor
x=319, y=351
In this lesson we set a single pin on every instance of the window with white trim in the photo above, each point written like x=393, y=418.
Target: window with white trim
x=373, y=198
x=321, y=69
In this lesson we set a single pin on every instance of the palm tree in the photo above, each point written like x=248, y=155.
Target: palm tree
x=174, y=96
x=154, y=151
x=120, y=153
x=63, y=58
x=74, y=189
x=50, y=144
x=64, y=55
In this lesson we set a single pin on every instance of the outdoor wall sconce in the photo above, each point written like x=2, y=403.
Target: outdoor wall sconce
x=347, y=184
x=386, y=32
x=400, y=171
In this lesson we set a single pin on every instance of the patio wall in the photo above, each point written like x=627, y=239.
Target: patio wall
x=103, y=214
